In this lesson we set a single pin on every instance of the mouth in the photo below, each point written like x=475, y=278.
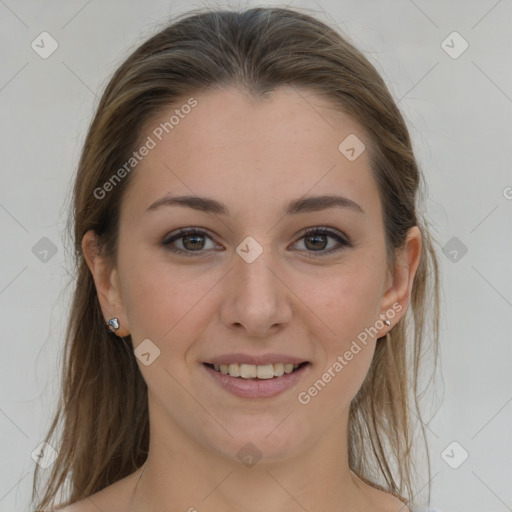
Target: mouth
x=256, y=376
x=256, y=372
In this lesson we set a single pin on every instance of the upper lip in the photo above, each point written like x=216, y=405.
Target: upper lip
x=260, y=359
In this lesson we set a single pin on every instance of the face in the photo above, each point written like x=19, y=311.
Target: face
x=257, y=272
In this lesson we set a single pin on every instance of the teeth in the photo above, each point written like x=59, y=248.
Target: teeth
x=251, y=371
x=278, y=369
x=234, y=370
x=248, y=371
x=265, y=371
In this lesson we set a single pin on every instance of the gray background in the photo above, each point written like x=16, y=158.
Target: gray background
x=459, y=112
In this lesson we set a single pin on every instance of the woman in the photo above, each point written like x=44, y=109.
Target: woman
x=253, y=273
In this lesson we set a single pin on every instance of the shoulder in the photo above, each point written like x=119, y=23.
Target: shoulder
x=79, y=506
x=94, y=503
x=89, y=504
x=114, y=498
x=384, y=502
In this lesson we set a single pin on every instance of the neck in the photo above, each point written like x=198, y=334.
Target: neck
x=180, y=474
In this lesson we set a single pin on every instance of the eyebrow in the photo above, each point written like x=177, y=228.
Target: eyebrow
x=298, y=206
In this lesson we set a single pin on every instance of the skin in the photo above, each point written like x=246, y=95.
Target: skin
x=255, y=156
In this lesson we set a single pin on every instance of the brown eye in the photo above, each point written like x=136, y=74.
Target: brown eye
x=193, y=242
x=188, y=241
x=317, y=240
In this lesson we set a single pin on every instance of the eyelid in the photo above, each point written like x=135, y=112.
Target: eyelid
x=182, y=232
x=341, y=238
x=325, y=230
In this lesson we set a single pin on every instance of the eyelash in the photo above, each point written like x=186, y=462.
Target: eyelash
x=167, y=243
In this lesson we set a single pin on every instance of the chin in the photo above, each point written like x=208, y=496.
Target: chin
x=266, y=439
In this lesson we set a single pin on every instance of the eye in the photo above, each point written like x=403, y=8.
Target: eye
x=316, y=241
x=187, y=241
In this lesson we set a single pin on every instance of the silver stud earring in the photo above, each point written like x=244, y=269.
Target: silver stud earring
x=387, y=322
x=113, y=324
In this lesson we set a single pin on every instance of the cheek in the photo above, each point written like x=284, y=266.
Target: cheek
x=350, y=309
x=164, y=302
x=149, y=299
x=350, y=300
x=349, y=306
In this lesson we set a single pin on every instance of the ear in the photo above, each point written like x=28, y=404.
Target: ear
x=399, y=284
x=106, y=279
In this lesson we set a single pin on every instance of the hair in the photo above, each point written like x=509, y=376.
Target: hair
x=102, y=410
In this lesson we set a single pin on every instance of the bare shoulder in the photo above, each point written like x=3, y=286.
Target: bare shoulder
x=84, y=505
x=89, y=504
x=80, y=506
x=384, y=502
x=114, y=498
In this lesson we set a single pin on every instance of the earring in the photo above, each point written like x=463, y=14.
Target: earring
x=387, y=322
x=113, y=324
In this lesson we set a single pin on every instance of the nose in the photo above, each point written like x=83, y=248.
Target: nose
x=258, y=300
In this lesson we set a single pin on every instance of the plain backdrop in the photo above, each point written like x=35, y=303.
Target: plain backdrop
x=458, y=104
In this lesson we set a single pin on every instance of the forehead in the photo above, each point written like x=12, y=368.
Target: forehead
x=254, y=151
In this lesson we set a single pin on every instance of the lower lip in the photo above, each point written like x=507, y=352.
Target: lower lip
x=258, y=388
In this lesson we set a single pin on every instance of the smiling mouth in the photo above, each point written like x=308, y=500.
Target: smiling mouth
x=253, y=371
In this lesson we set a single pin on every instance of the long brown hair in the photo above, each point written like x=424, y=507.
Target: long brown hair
x=101, y=425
